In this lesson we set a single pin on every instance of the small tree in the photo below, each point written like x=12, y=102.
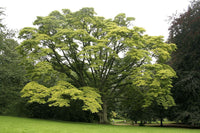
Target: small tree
x=150, y=95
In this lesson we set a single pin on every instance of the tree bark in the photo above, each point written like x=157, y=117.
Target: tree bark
x=103, y=117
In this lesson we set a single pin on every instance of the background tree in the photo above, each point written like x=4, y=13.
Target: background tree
x=185, y=32
x=11, y=72
x=132, y=105
x=98, y=58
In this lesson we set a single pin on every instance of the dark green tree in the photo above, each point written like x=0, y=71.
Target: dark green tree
x=132, y=105
x=185, y=32
x=93, y=59
x=11, y=71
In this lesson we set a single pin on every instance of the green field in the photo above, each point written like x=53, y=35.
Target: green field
x=25, y=125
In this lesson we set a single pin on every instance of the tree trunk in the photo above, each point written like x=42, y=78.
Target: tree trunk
x=103, y=114
x=161, y=122
x=141, y=123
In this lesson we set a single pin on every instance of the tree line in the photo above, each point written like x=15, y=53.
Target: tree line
x=78, y=66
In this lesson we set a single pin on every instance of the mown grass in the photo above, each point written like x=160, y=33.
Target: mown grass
x=26, y=125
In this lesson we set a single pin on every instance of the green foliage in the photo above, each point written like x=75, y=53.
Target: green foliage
x=35, y=91
x=91, y=98
x=61, y=94
x=11, y=72
x=149, y=96
x=44, y=73
x=155, y=81
x=133, y=104
x=185, y=32
x=93, y=52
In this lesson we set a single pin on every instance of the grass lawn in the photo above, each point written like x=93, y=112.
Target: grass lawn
x=25, y=125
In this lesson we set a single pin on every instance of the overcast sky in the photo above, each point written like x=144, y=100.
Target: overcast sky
x=150, y=14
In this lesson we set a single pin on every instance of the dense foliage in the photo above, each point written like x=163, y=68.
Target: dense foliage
x=11, y=72
x=185, y=32
x=79, y=56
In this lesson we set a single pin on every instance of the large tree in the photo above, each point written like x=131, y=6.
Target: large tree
x=185, y=32
x=92, y=59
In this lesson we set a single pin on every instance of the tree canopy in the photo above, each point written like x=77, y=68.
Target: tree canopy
x=185, y=32
x=82, y=56
x=11, y=72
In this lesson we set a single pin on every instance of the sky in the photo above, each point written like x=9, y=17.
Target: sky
x=152, y=15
